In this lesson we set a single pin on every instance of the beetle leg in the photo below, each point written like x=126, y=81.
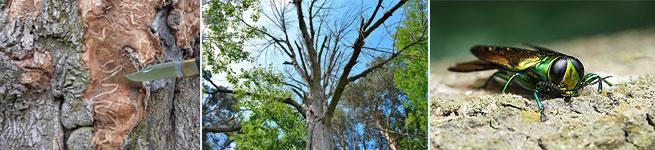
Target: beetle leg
x=607, y=82
x=486, y=83
x=601, y=81
x=592, y=78
x=509, y=81
x=600, y=85
x=541, y=107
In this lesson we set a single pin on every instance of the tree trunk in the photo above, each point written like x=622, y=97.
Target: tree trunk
x=51, y=80
x=383, y=131
x=319, y=134
x=318, y=128
x=42, y=78
x=342, y=139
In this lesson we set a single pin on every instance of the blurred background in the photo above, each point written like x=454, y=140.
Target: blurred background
x=457, y=26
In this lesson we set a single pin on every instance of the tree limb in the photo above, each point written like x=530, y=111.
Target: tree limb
x=309, y=44
x=383, y=18
x=288, y=101
x=221, y=129
x=376, y=66
x=357, y=49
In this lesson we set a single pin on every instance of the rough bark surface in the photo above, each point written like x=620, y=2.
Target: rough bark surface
x=41, y=75
x=320, y=133
x=173, y=107
x=63, y=62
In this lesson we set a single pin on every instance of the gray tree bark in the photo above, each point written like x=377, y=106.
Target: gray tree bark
x=42, y=79
x=318, y=128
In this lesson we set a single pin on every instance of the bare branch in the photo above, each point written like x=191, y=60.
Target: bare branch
x=222, y=129
x=357, y=48
x=288, y=101
x=309, y=43
x=302, y=60
x=375, y=12
x=383, y=18
x=376, y=66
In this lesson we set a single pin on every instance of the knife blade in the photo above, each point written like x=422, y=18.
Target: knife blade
x=166, y=70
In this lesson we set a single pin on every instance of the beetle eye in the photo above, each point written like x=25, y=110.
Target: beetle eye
x=557, y=70
x=579, y=68
x=559, y=67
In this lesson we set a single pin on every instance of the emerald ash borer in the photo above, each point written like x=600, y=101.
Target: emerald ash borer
x=542, y=70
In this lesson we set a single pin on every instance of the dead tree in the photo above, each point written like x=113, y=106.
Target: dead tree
x=323, y=57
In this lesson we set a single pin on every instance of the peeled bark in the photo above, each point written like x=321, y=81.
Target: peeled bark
x=63, y=62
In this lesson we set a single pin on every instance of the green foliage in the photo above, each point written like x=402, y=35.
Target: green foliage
x=268, y=123
x=376, y=96
x=376, y=103
x=223, y=42
x=411, y=74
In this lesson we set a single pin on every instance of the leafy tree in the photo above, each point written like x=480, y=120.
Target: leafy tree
x=268, y=122
x=224, y=40
x=378, y=105
x=411, y=74
x=252, y=114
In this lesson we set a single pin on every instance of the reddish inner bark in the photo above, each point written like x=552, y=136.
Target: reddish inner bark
x=189, y=27
x=20, y=8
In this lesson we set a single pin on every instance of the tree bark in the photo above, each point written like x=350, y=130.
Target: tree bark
x=386, y=135
x=47, y=78
x=42, y=78
x=319, y=132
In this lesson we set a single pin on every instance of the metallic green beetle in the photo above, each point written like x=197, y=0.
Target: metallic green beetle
x=542, y=70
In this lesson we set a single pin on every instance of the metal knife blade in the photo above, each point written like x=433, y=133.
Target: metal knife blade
x=165, y=70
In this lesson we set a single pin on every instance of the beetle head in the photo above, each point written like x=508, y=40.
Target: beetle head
x=567, y=72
